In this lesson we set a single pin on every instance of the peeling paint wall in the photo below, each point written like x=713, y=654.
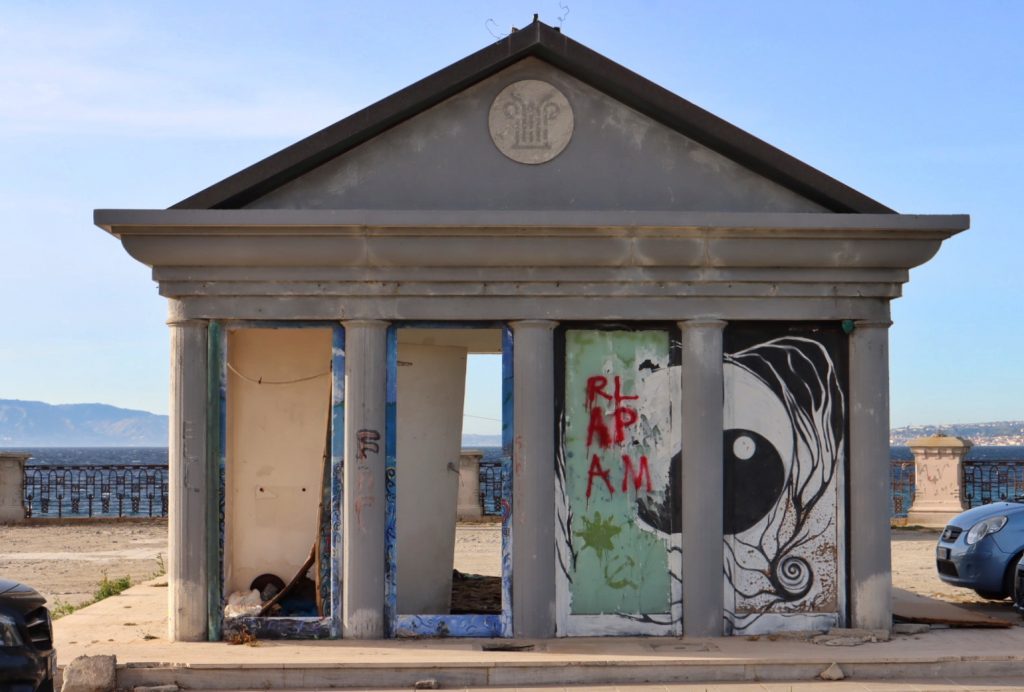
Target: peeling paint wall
x=618, y=484
x=275, y=446
x=784, y=454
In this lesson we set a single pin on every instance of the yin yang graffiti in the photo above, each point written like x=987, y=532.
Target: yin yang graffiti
x=785, y=420
x=753, y=478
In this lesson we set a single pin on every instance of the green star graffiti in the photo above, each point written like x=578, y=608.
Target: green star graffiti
x=598, y=533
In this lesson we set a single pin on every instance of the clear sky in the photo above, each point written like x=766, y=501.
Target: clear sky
x=138, y=105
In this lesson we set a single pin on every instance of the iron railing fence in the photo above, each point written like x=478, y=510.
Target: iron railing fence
x=118, y=490
x=109, y=490
x=901, y=481
x=992, y=481
x=491, y=487
x=982, y=482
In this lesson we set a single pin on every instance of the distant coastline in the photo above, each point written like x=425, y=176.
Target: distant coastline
x=36, y=424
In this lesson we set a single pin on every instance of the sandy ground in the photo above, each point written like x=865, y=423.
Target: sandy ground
x=66, y=561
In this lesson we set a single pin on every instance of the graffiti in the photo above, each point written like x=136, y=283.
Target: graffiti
x=641, y=474
x=618, y=557
x=598, y=533
x=785, y=420
x=364, y=493
x=623, y=416
x=369, y=441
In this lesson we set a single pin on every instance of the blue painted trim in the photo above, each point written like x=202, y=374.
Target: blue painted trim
x=487, y=626
x=337, y=476
x=507, y=443
x=390, y=486
x=214, y=513
x=222, y=463
x=279, y=628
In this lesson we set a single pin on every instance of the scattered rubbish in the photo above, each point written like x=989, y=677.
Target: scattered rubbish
x=795, y=635
x=843, y=636
x=833, y=672
x=502, y=646
x=243, y=603
x=241, y=635
x=911, y=607
x=269, y=585
x=429, y=684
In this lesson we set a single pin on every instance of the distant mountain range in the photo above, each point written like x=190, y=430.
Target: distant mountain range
x=36, y=424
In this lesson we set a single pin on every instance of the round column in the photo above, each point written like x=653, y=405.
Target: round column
x=870, y=560
x=702, y=477
x=188, y=570
x=533, y=480
x=364, y=501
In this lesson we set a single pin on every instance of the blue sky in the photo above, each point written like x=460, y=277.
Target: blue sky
x=138, y=105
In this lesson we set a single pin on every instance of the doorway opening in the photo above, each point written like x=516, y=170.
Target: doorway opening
x=449, y=481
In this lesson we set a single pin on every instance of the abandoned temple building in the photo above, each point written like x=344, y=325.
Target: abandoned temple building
x=693, y=329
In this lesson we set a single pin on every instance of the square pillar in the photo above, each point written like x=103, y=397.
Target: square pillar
x=12, y=486
x=364, y=479
x=938, y=491
x=533, y=480
x=188, y=489
x=701, y=418
x=870, y=559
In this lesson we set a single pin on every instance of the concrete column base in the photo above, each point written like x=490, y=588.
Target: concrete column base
x=932, y=520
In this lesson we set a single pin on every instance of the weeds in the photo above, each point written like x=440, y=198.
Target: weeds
x=105, y=589
x=108, y=588
x=61, y=608
x=161, y=567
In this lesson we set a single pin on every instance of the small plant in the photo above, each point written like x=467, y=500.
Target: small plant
x=61, y=608
x=105, y=589
x=161, y=567
x=108, y=587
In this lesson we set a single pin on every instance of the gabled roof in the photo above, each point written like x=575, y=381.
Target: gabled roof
x=548, y=44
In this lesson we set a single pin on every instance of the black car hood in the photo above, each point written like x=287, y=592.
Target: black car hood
x=19, y=596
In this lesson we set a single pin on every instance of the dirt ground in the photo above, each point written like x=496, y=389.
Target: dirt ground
x=67, y=560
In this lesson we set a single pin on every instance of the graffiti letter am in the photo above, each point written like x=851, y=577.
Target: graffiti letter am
x=641, y=476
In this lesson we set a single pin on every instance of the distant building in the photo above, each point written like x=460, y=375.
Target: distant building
x=694, y=327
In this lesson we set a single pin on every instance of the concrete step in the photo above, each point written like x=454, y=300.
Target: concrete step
x=233, y=676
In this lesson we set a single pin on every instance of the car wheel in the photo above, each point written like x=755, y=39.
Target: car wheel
x=990, y=595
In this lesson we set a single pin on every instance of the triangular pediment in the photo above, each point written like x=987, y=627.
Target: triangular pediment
x=629, y=145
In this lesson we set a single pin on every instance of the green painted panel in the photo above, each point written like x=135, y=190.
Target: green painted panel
x=618, y=447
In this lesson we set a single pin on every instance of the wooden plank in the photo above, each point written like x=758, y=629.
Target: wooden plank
x=912, y=607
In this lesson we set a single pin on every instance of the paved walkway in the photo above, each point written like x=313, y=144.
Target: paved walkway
x=132, y=626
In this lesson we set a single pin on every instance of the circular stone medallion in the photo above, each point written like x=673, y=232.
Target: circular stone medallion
x=530, y=121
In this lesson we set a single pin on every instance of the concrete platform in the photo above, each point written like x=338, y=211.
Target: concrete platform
x=132, y=626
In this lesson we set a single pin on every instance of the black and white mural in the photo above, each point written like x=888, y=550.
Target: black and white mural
x=784, y=464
